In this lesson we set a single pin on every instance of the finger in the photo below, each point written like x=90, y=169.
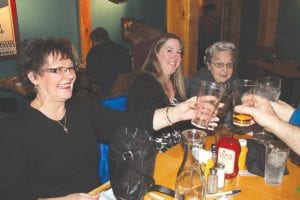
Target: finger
x=244, y=109
x=215, y=119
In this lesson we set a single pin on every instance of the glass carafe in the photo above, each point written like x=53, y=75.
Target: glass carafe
x=190, y=182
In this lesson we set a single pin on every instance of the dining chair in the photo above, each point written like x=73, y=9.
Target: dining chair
x=116, y=103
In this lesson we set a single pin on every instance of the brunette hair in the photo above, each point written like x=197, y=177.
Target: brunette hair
x=34, y=54
x=153, y=66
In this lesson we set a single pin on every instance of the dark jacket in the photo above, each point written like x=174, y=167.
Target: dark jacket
x=105, y=62
x=193, y=86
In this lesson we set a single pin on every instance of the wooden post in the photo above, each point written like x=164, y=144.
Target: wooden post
x=85, y=27
x=182, y=19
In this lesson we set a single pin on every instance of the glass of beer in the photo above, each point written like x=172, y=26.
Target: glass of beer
x=243, y=90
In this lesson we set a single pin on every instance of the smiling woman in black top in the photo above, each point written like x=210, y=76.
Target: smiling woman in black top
x=160, y=84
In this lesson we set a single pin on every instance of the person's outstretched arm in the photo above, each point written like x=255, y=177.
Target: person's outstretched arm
x=264, y=114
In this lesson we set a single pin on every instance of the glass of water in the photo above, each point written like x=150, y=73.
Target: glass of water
x=275, y=161
x=269, y=88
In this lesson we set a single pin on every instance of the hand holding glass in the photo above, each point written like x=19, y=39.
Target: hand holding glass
x=269, y=88
x=208, y=100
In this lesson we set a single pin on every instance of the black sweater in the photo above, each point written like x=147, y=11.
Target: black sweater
x=39, y=159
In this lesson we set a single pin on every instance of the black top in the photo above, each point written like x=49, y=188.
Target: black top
x=105, y=61
x=39, y=159
x=204, y=74
x=147, y=93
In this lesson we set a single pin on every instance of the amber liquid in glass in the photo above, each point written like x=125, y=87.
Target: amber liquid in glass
x=241, y=119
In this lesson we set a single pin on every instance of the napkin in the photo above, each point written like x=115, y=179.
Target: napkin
x=107, y=195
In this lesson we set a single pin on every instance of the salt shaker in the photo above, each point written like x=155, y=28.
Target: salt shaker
x=212, y=181
x=221, y=175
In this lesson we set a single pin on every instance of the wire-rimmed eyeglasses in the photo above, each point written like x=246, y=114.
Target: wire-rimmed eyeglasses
x=220, y=65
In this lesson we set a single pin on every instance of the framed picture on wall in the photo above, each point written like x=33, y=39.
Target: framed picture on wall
x=125, y=23
x=9, y=32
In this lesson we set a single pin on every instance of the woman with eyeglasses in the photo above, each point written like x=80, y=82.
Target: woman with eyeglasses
x=49, y=148
x=220, y=60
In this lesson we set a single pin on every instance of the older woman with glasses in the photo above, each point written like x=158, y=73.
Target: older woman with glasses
x=220, y=59
x=49, y=148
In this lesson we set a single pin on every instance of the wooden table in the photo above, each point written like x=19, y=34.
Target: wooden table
x=288, y=70
x=253, y=187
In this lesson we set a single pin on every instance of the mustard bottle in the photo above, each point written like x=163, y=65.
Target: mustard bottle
x=243, y=154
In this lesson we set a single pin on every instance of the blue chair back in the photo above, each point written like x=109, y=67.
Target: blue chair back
x=116, y=103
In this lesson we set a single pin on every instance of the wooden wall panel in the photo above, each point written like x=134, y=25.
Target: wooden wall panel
x=85, y=27
x=182, y=19
x=267, y=23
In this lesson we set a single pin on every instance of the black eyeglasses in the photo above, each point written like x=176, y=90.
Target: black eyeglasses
x=60, y=70
x=220, y=65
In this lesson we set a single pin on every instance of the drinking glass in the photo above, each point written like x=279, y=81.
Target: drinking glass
x=275, y=161
x=208, y=99
x=269, y=88
x=241, y=89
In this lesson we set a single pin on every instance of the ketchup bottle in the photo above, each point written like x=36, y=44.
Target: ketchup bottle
x=228, y=151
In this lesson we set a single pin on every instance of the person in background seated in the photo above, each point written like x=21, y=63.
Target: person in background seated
x=209, y=31
x=49, y=147
x=279, y=118
x=160, y=82
x=220, y=59
x=106, y=60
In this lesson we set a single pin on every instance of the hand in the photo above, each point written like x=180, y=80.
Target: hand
x=283, y=110
x=262, y=112
x=184, y=110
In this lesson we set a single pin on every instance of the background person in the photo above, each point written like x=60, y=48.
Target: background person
x=138, y=34
x=106, y=60
x=50, y=146
x=209, y=31
x=277, y=118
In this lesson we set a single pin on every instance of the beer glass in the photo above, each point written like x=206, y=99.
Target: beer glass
x=242, y=90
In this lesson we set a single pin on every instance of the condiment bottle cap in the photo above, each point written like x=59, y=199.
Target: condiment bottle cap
x=243, y=142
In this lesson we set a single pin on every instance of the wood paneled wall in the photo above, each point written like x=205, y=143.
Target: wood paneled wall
x=182, y=19
x=267, y=23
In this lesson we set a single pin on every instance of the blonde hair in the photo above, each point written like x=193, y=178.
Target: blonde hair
x=153, y=66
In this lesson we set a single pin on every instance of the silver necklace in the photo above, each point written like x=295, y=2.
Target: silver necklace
x=64, y=125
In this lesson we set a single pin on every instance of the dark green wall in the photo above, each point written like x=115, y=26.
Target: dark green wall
x=108, y=15
x=59, y=18
x=288, y=29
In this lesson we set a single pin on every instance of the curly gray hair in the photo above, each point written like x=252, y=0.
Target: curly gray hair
x=217, y=47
